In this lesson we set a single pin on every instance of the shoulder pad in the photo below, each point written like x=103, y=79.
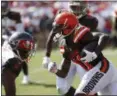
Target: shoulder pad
x=79, y=33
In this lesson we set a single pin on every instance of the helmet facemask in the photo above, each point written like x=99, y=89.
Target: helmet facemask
x=62, y=31
x=64, y=24
x=78, y=7
x=23, y=48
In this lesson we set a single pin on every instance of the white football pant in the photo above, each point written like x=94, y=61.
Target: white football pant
x=95, y=81
x=92, y=81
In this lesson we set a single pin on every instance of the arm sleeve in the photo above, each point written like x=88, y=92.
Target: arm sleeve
x=64, y=68
x=49, y=43
x=101, y=39
x=102, y=42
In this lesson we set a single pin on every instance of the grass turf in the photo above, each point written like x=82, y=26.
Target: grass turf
x=43, y=82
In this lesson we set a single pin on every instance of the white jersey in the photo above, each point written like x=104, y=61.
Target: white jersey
x=7, y=53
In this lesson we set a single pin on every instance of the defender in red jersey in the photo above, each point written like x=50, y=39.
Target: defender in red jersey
x=77, y=37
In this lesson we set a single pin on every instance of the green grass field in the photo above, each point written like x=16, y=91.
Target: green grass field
x=43, y=82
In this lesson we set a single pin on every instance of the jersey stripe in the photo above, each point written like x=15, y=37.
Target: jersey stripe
x=78, y=30
x=76, y=58
x=89, y=66
x=105, y=65
x=80, y=33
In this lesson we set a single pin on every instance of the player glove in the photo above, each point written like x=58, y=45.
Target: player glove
x=52, y=67
x=46, y=61
x=89, y=57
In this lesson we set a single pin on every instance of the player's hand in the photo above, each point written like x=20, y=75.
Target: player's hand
x=90, y=56
x=52, y=67
x=45, y=62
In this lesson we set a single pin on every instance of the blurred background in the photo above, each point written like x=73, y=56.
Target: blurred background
x=37, y=18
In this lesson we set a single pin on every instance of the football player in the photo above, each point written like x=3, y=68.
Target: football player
x=11, y=22
x=100, y=74
x=15, y=52
x=80, y=10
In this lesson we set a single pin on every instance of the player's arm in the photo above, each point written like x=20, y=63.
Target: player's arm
x=46, y=59
x=65, y=65
x=101, y=38
x=54, y=30
x=63, y=70
x=88, y=38
x=49, y=43
x=8, y=80
x=9, y=73
x=103, y=41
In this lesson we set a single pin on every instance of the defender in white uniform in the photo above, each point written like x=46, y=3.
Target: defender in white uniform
x=15, y=51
